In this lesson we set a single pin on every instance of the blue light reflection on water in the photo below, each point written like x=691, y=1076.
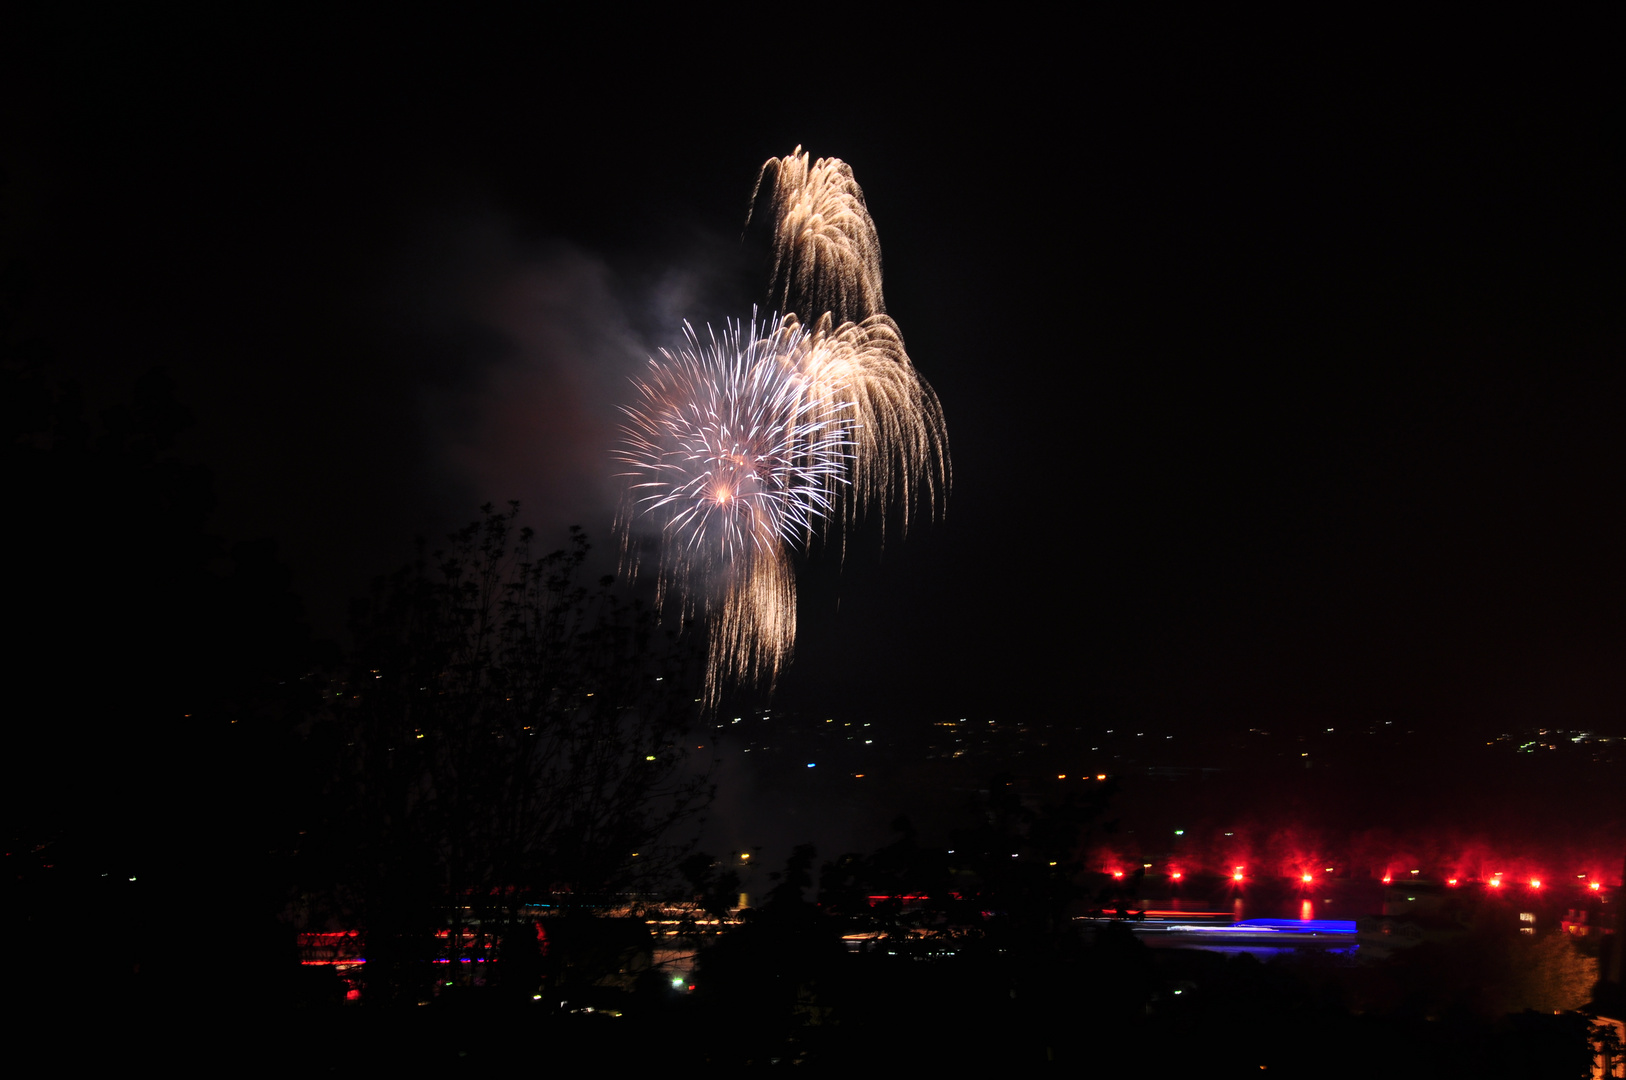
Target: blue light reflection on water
x=1310, y=926
x=1261, y=951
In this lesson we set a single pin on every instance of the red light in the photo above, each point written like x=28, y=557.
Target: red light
x=1387, y=879
x=1594, y=886
x=1535, y=883
x=1307, y=878
x=1450, y=881
x=1496, y=883
x=1237, y=876
x=1118, y=873
x=1177, y=875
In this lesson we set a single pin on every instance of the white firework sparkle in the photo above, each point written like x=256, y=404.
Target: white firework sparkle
x=733, y=446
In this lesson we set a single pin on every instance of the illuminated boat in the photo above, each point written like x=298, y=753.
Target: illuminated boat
x=1288, y=933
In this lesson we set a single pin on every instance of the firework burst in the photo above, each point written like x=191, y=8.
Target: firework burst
x=741, y=447
x=737, y=450
x=737, y=445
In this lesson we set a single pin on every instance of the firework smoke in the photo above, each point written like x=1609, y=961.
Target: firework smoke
x=739, y=448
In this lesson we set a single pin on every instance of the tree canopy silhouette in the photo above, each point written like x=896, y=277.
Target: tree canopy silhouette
x=503, y=731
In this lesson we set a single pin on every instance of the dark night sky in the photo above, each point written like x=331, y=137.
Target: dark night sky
x=1282, y=366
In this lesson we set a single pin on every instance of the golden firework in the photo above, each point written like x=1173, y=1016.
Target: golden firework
x=739, y=448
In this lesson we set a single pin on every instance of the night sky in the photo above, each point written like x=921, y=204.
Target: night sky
x=1281, y=365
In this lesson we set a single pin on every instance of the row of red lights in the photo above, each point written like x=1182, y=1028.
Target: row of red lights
x=1495, y=881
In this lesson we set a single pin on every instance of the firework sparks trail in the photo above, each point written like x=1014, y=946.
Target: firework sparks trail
x=827, y=257
x=901, y=457
x=741, y=447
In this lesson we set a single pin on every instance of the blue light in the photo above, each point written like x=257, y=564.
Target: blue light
x=1267, y=928
x=811, y=764
x=1308, y=926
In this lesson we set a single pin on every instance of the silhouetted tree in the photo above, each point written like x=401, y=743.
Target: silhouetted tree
x=716, y=890
x=503, y=731
x=773, y=975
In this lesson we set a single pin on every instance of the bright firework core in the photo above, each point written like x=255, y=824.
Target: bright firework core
x=736, y=446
